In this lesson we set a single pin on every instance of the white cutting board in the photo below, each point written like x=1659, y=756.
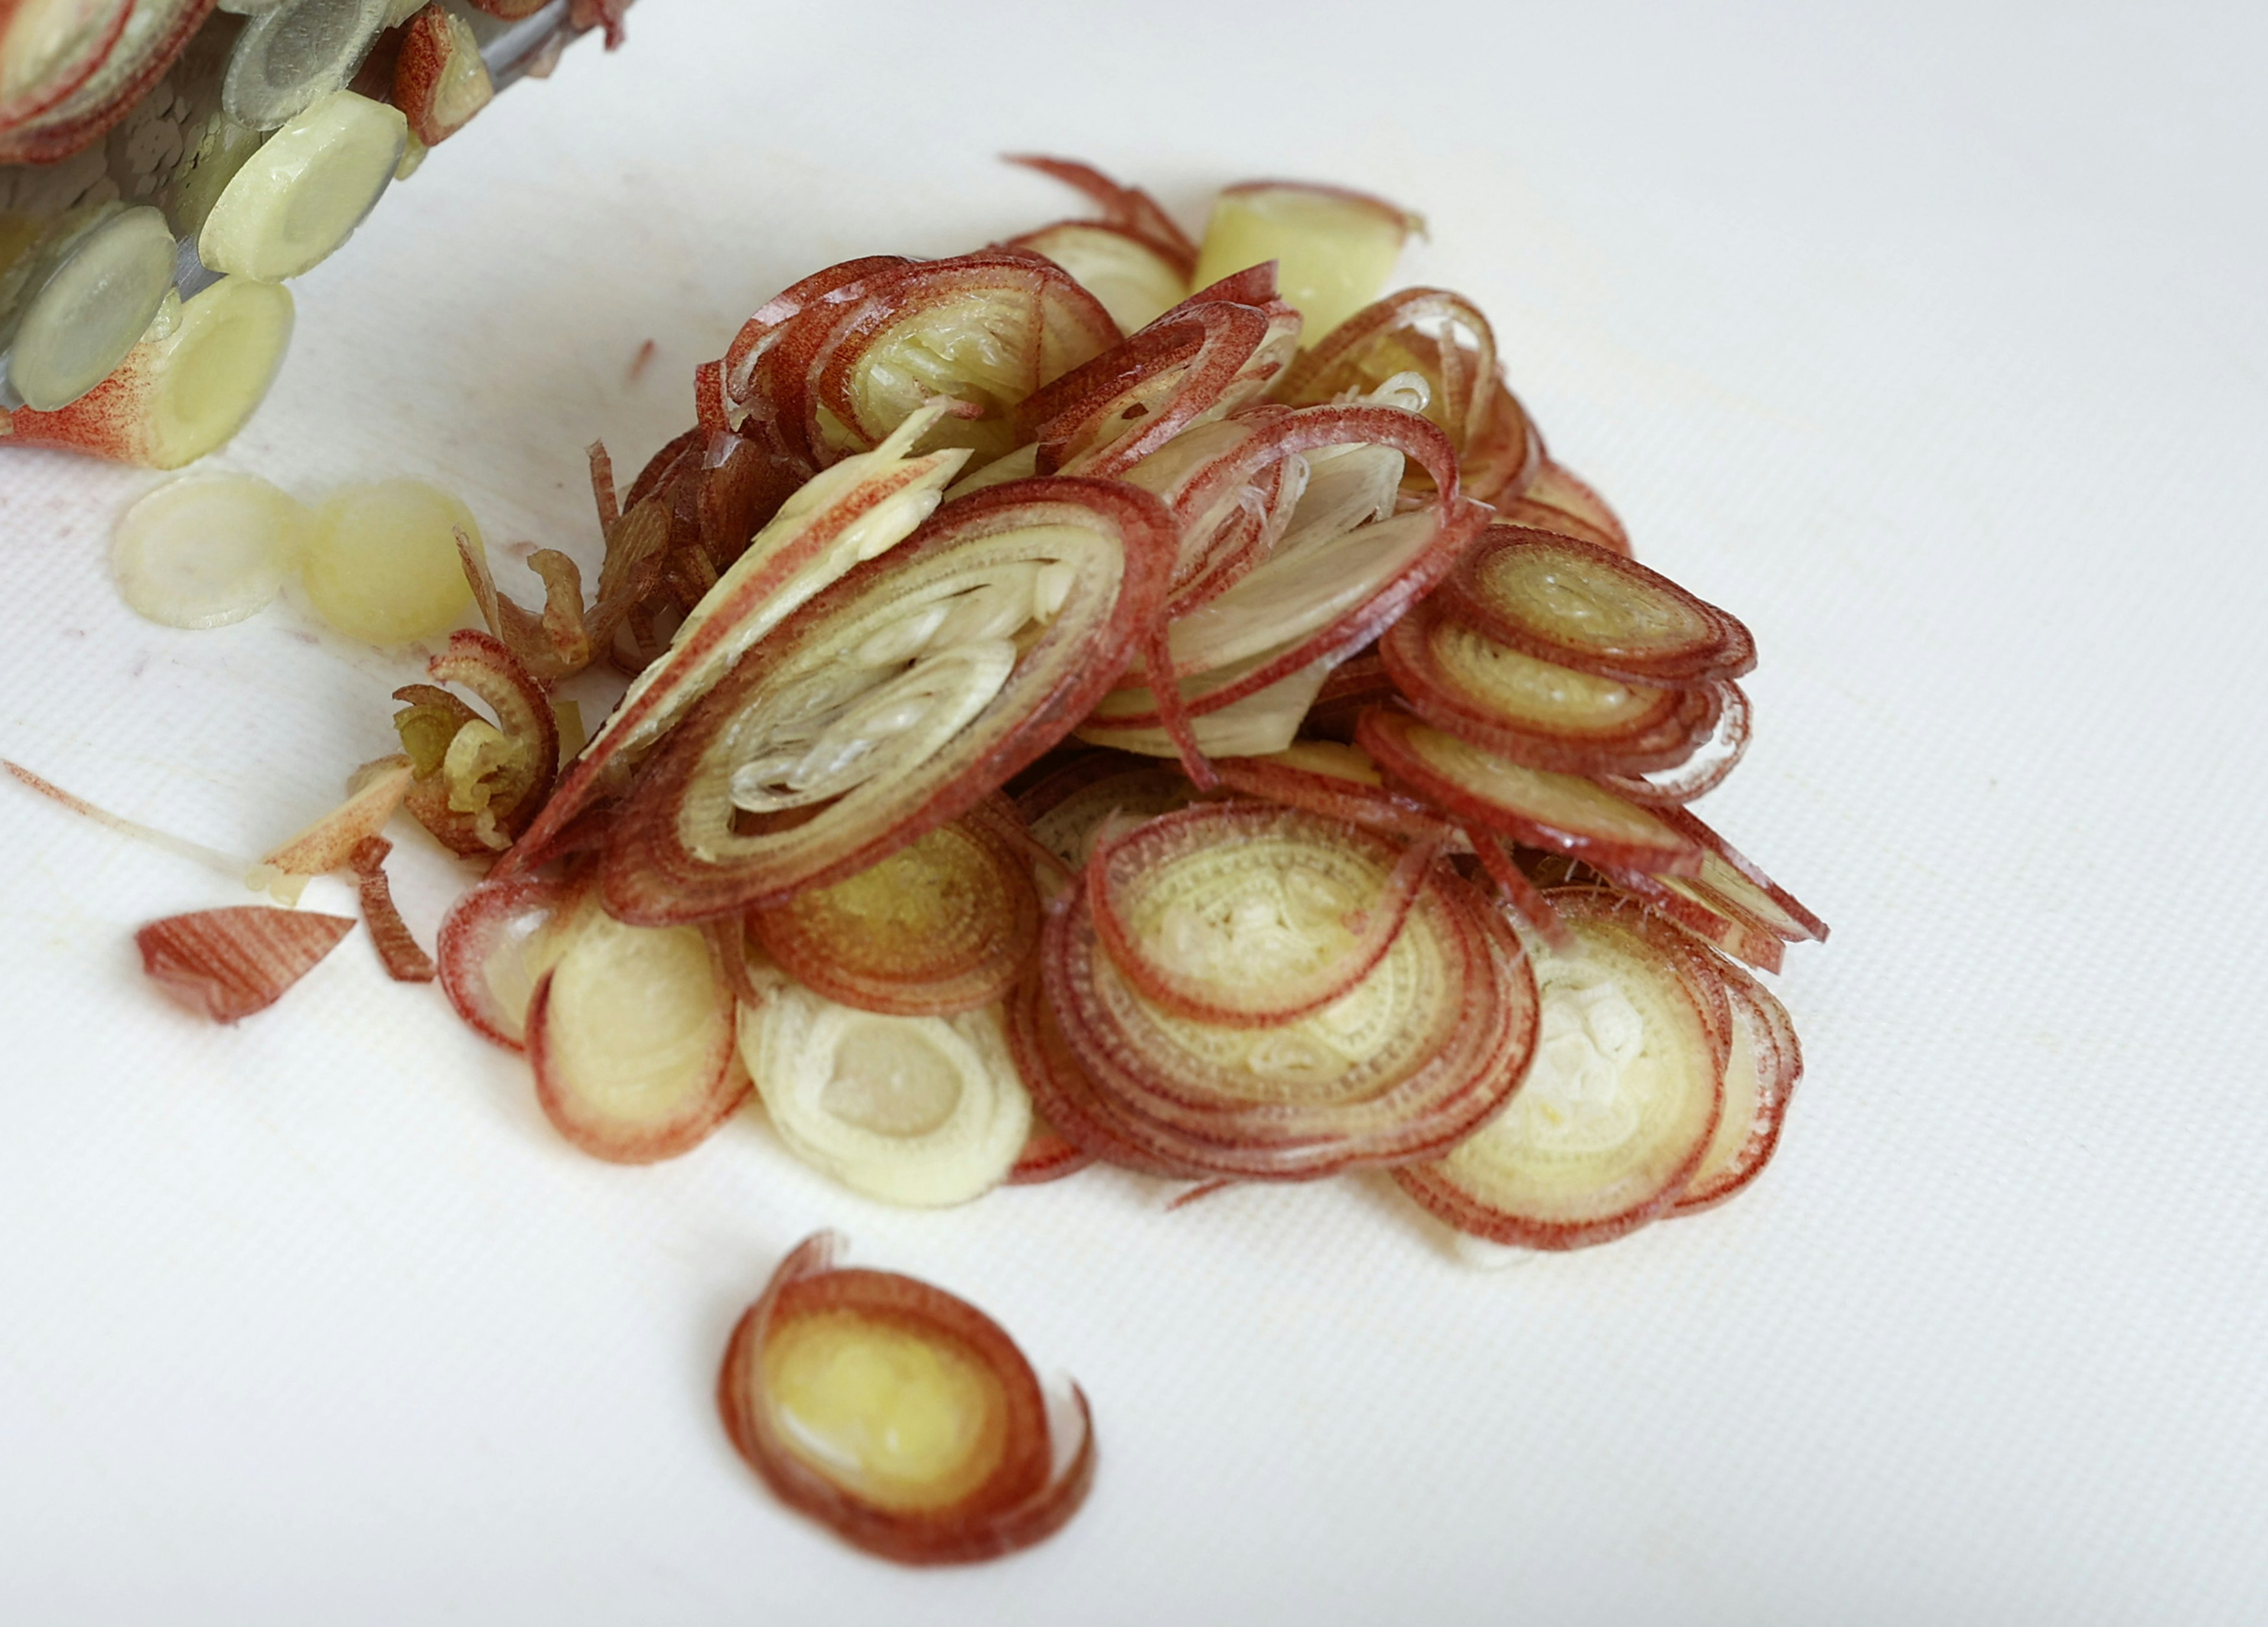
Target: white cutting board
x=1929, y=338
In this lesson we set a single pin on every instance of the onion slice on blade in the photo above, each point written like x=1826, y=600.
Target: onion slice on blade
x=922, y=1111
x=943, y=926
x=631, y=1032
x=902, y=1417
x=228, y=963
x=1584, y=606
x=1617, y=1111
x=894, y=701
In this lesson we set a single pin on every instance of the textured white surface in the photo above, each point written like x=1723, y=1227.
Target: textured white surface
x=1927, y=336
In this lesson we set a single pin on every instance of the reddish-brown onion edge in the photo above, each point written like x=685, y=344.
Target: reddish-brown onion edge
x=1061, y=1091
x=1729, y=652
x=1124, y=864
x=1521, y=895
x=1544, y=503
x=1462, y=1211
x=1806, y=925
x=227, y=964
x=1779, y=1070
x=1325, y=370
x=404, y=960
x=652, y=878
x=1024, y=1501
x=1661, y=737
x=1374, y=807
x=762, y=330
x=476, y=926
x=1046, y=1157
x=728, y=1087
x=902, y=981
x=1711, y=764
x=1384, y=734
x=1208, y=344
x=1128, y=209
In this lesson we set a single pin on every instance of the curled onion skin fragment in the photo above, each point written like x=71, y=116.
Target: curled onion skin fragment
x=631, y=1036
x=1418, y=1055
x=1531, y=805
x=478, y=785
x=1556, y=499
x=1617, y=1112
x=894, y=701
x=405, y=961
x=853, y=512
x=227, y=964
x=1250, y=915
x=1764, y=1062
x=492, y=950
x=1128, y=209
x=904, y=1419
x=1538, y=712
x=921, y=1112
x=1587, y=607
x=945, y=925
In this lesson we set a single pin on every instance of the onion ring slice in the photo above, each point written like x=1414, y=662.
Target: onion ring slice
x=1763, y=1062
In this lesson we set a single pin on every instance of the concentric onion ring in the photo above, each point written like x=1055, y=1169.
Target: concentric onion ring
x=904, y=1418
x=1762, y=1064
x=1037, y=589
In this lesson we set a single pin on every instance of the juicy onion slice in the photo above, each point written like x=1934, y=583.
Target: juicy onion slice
x=944, y=925
x=1025, y=599
x=631, y=1032
x=207, y=551
x=918, y=1111
x=1333, y=248
x=862, y=507
x=1411, y=1059
x=91, y=309
x=381, y=561
x=1762, y=1064
x=1618, y=1108
x=902, y=1417
x=1587, y=607
x=1248, y=916
x=1530, y=805
x=294, y=53
x=227, y=964
x=1536, y=711
x=405, y=961
x=298, y=199
x=494, y=948
x=1134, y=280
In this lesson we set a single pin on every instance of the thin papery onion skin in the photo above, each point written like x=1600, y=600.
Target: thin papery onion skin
x=227, y=964
x=1022, y=1502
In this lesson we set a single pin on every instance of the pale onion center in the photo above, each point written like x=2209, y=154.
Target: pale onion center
x=1575, y=1098
x=888, y=1079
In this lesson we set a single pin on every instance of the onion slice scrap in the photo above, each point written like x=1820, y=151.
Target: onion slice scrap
x=492, y=950
x=478, y=784
x=228, y=963
x=330, y=843
x=1617, y=1112
x=904, y=1418
x=405, y=961
x=922, y=1111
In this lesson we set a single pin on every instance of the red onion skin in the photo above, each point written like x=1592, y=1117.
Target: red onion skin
x=227, y=964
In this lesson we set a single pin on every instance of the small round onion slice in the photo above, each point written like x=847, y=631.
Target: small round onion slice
x=1531, y=805
x=918, y=1111
x=207, y=551
x=904, y=1418
x=631, y=1033
x=493, y=949
x=1587, y=607
x=1762, y=1064
x=829, y=748
x=1248, y=914
x=1616, y=1113
x=943, y=926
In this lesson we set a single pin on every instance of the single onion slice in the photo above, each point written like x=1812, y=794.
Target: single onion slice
x=1102, y=418
x=493, y=949
x=50, y=48
x=631, y=1033
x=1134, y=279
x=944, y=925
x=439, y=80
x=1443, y=339
x=862, y=507
x=1536, y=711
x=1530, y=805
x=736, y=378
x=1250, y=915
x=1617, y=1111
x=1046, y=1156
x=294, y=54
x=1763, y=1062
x=1410, y=1062
x=187, y=386
x=1556, y=500
x=1128, y=209
x=405, y=961
x=1732, y=881
x=902, y=1417
x=1584, y=606
x=894, y=701
x=1337, y=780
x=227, y=964
x=207, y=551
x=1334, y=248
x=922, y=1111
x=295, y=200
x=107, y=284
x=983, y=331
